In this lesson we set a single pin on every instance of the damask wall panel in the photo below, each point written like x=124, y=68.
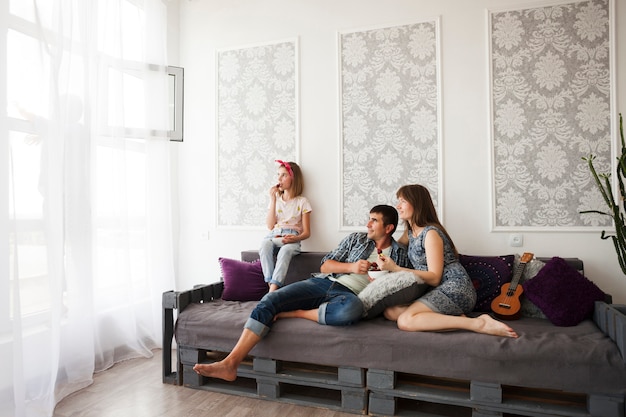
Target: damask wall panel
x=257, y=122
x=390, y=115
x=551, y=96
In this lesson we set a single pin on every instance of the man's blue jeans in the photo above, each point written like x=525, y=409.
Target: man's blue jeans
x=338, y=306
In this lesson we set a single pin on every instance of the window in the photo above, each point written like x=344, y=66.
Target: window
x=45, y=79
x=175, y=90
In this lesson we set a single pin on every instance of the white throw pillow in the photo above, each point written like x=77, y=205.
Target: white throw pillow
x=395, y=288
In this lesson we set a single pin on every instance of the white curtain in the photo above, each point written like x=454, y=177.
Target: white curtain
x=87, y=246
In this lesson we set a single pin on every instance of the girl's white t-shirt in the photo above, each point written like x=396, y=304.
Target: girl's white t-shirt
x=289, y=213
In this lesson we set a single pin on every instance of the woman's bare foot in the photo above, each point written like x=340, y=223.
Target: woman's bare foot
x=488, y=325
x=216, y=370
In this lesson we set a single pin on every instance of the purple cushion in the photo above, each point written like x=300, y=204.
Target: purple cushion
x=243, y=281
x=564, y=295
x=488, y=274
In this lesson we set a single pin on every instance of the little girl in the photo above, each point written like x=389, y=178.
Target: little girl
x=288, y=218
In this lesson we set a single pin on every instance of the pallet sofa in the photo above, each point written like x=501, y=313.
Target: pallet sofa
x=374, y=368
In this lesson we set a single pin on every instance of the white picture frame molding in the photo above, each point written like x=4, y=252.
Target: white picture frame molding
x=576, y=167
x=357, y=205
x=245, y=166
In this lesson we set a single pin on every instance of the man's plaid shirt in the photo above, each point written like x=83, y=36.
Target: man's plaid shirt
x=357, y=246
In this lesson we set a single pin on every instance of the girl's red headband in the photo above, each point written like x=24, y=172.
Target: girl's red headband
x=287, y=166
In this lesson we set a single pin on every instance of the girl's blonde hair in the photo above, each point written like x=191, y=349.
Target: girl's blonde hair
x=297, y=181
x=424, y=213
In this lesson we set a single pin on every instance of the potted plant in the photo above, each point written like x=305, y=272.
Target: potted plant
x=617, y=207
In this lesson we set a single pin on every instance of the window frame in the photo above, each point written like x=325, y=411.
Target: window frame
x=176, y=102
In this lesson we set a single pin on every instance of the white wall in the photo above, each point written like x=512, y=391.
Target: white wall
x=208, y=25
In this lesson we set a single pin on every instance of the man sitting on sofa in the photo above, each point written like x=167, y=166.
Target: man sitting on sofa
x=330, y=298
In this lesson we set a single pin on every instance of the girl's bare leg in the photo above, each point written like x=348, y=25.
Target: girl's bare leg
x=226, y=369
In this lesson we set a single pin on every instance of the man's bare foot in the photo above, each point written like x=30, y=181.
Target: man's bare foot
x=273, y=287
x=489, y=325
x=216, y=370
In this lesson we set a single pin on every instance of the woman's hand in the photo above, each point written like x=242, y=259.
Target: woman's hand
x=385, y=263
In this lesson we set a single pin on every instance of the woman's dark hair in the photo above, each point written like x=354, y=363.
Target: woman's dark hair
x=390, y=215
x=424, y=213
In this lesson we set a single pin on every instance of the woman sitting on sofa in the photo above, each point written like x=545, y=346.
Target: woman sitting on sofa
x=435, y=261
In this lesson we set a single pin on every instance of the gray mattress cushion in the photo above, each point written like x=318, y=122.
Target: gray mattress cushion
x=574, y=359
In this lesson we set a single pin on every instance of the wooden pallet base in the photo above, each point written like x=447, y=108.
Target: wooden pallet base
x=388, y=393
x=394, y=393
x=335, y=388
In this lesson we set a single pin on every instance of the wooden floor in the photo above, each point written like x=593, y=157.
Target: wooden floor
x=134, y=389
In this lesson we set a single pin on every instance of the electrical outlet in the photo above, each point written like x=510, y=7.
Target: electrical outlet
x=516, y=239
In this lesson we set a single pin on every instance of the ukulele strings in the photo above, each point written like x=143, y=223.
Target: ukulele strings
x=511, y=291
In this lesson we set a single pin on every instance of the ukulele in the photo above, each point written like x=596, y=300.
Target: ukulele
x=507, y=305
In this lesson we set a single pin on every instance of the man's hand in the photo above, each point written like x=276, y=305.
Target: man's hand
x=361, y=267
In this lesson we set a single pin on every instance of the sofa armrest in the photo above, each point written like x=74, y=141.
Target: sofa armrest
x=169, y=302
x=611, y=319
x=179, y=300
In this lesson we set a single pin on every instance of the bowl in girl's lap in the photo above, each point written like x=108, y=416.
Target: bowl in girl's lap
x=377, y=274
x=278, y=241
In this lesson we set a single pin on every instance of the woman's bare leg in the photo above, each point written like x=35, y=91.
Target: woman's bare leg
x=226, y=369
x=392, y=313
x=418, y=317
